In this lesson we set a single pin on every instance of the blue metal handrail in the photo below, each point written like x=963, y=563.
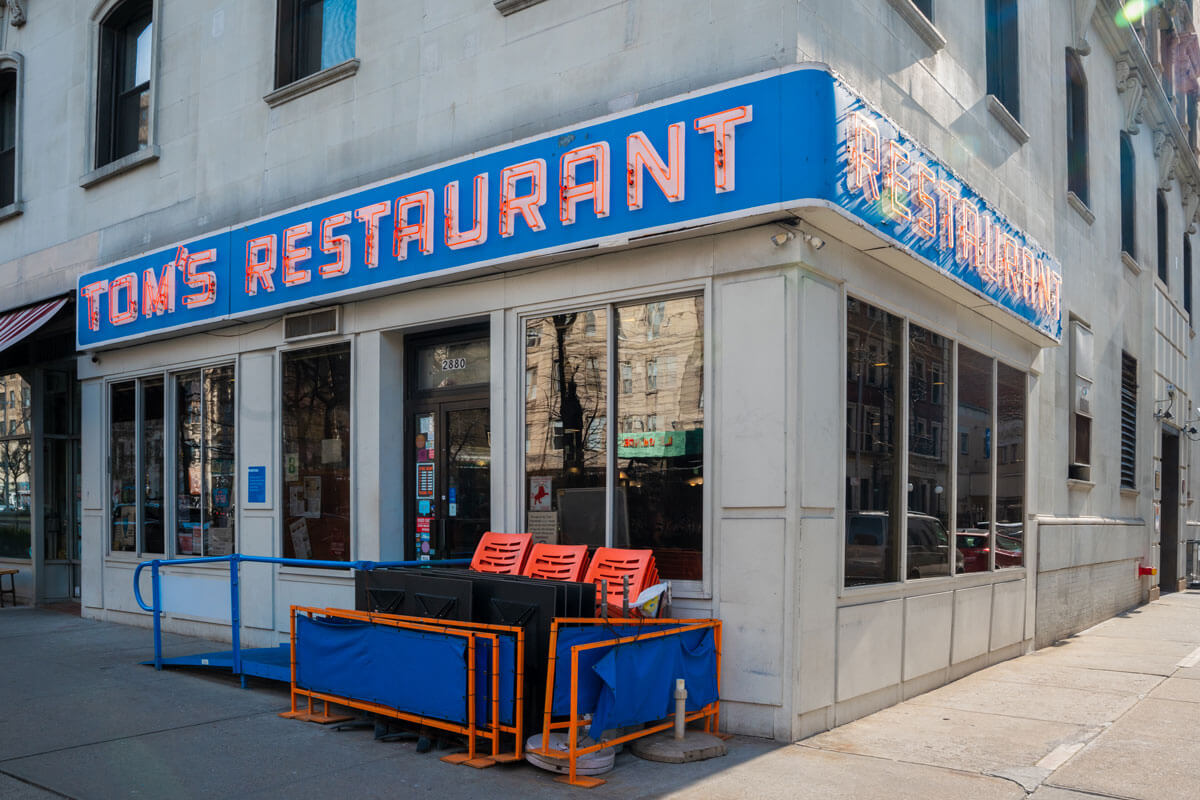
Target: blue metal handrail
x=235, y=613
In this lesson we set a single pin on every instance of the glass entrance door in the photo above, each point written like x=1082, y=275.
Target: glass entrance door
x=449, y=459
x=452, y=460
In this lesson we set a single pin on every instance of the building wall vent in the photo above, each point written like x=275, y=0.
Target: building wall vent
x=311, y=324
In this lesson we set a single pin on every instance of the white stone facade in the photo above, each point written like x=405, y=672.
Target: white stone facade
x=440, y=79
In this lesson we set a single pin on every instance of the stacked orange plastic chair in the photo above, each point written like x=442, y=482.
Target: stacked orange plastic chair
x=557, y=562
x=501, y=553
x=613, y=565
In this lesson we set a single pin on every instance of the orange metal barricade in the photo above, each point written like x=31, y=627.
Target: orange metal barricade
x=472, y=632
x=711, y=713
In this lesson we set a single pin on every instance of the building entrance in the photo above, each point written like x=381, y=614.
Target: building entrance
x=449, y=445
x=1168, y=537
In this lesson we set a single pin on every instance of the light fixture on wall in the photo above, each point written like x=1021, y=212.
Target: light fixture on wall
x=1190, y=429
x=791, y=231
x=1164, y=412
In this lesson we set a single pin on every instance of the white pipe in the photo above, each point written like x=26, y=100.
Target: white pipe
x=680, y=708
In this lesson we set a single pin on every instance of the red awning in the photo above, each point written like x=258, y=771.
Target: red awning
x=16, y=325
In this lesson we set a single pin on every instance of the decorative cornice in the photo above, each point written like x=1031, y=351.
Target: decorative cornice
x=1132, y=91
x=1083, y=10
x=16, y=11
x=1165, y=153
x=1191, y=205
x=1136, y=74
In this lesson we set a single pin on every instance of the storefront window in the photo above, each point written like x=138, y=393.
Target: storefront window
x=974, y=491
x=1010, y=467
x=929, y=357
x=942, y=463
x=122, y=456
x=205, y=504
x=874, y=495
x=566, y=457
x=660, y=470
x=135, y=454
x=15, y=444
x=316, y=453
x=656, y=370
x=152, y=469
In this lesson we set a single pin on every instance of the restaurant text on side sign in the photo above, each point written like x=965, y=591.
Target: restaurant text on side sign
x=788, y=140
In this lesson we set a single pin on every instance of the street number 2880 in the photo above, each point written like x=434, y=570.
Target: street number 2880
x=453, y=363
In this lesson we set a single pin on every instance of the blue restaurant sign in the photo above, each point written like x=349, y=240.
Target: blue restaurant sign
x=787, y=140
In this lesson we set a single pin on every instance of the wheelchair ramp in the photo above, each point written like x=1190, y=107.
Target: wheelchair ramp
x=273, y=663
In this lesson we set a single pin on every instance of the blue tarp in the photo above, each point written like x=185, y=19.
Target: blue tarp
x=639, y=679
x=633, y=683
x=411, y=671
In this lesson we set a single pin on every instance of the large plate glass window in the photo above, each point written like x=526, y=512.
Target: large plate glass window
x=965, y=414
x=632, y=478
x=874, y=495
x=16, y=430
x=316, y=453
x=135, y=457
x=929, y=365
x=1010, y=467
x=974, y=458
x=205, y=503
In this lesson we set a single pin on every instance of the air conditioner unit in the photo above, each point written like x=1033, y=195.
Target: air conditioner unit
x=311, y=324
x=1082, y=368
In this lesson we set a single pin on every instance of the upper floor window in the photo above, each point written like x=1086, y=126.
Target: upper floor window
x=1161, y=207
x=1003, y=53
x=312, y=35
x=1187, y=276
x=123, y=90
x=1077, y=128
x=1128, y=239
x=8, y=137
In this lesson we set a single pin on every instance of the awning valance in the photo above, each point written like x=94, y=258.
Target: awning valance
x=16, y=325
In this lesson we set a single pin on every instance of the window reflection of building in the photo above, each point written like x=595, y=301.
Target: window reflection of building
x=658, y=438
x=15, y=450
x=872, y=477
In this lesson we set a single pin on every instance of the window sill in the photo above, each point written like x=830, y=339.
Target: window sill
x=1080, y=485
x=919, y=23
x=507, y=7
x=1131, y=263
x=11, y=210
x=121, y=165
x=1006, y=119
x=310, y=83
x=1076, y=202
x=1129, y=491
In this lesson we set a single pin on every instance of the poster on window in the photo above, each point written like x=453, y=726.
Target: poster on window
x=424, y=481
x=312, y=496
x=300, y=542
x=220, y=541
x=540, y=487
x=543, y=526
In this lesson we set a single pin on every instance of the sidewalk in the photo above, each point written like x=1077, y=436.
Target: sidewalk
x=1112, y=712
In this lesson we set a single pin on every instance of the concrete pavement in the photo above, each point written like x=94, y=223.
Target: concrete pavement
x=1112, y=712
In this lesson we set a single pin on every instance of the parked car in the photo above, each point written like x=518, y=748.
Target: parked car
x=869, y=557
x=1010, y=546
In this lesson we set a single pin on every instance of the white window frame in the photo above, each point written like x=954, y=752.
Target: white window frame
x=277, y=545
x=698, y=590
x=92, y=174
x=14, y=62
